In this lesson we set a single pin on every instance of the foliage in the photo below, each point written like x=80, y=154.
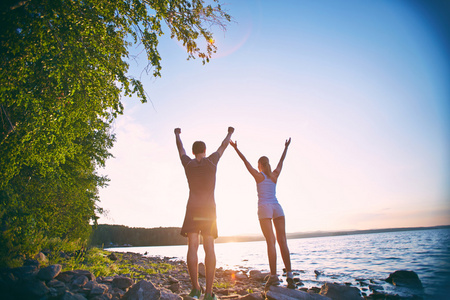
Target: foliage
x=97, y=261
x=223, y=285
x=108, y=235
x=63, y=70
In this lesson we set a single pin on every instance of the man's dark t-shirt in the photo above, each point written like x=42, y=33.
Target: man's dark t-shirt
x=201, y=206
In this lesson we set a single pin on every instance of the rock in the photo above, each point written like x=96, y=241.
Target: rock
x=257, y=275
x=280, y=293
x=68, y=276
x=49, y=272
x=171, y=280
x=32, y=288
x=222, y=291
x=230, y=297
x=80, y=281
x=201, y=270
x=90, y=276
x=57, y=288
x=26, y=271
x=143, y=290
x=122, y=282
x=175, y=287
x=71, y=296
x=106, y=279
x=241, y=276
x=98, y=289
x=375, y=287
x=253, y=296
x=31, y=262
x=40, y=257
x=112, y=256
x=405, y=278
x=242, y=292
x=168, y=295
x=340, y=292
x=65, y=276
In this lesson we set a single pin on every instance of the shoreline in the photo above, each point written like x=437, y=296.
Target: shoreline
x=242, y=284
x=157, y=278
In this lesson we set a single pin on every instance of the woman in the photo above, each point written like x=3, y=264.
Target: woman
x=270, y=211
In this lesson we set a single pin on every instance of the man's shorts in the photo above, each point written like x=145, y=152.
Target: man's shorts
x=200, y=220
x=270, y=211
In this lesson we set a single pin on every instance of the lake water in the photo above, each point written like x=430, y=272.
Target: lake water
x=355, y=259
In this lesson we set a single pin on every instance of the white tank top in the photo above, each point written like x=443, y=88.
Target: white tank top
x=266, y=191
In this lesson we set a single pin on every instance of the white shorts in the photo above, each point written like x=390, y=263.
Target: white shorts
x=270, y=211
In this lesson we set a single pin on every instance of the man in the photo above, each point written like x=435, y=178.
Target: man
x=200, y=215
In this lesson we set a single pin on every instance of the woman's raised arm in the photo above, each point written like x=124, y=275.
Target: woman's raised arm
x=277, y=171
x=258, y=176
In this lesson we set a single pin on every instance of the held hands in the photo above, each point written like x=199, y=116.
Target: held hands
x=230, y=129
x=286, y=144
x=177, y=130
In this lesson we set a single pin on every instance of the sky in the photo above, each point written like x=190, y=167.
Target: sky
x=361, y=87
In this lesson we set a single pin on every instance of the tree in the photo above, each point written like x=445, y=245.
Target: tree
x=63, y=73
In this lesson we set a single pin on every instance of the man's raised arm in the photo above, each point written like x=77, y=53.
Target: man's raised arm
x=181, y=150
x=226, y=141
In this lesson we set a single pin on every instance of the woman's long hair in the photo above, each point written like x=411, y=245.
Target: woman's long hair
x=265, y=166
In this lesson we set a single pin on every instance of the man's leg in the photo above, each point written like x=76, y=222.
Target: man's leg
x=192, y=259
x=210, y=262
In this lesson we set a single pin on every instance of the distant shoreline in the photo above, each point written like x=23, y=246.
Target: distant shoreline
x=111, y=236
x=300, y=235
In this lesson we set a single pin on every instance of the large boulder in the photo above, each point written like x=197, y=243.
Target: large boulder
x=122, y=282
x=32, y=288
x=405, y=278
x=29, y=269
x=143, y=290
x=340, y=292
x=50, y=272
x=281, y=293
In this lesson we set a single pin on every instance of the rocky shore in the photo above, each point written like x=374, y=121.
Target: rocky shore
x=32, y=281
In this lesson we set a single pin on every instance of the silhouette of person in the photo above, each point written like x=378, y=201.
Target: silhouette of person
x=200, y=215
x=270, y=211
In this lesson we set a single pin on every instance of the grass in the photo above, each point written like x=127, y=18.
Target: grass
x=97, y=261
x=223, y=285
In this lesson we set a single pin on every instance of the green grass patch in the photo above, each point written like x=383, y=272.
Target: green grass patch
x=97, y=261
x=223, y=285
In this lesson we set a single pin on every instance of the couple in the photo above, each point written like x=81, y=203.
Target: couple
x=200, y=215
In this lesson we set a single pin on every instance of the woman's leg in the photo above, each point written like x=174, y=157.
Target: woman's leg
x=266, y=227
x=280, y=228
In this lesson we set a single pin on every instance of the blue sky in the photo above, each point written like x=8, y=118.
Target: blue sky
x=361, y=87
